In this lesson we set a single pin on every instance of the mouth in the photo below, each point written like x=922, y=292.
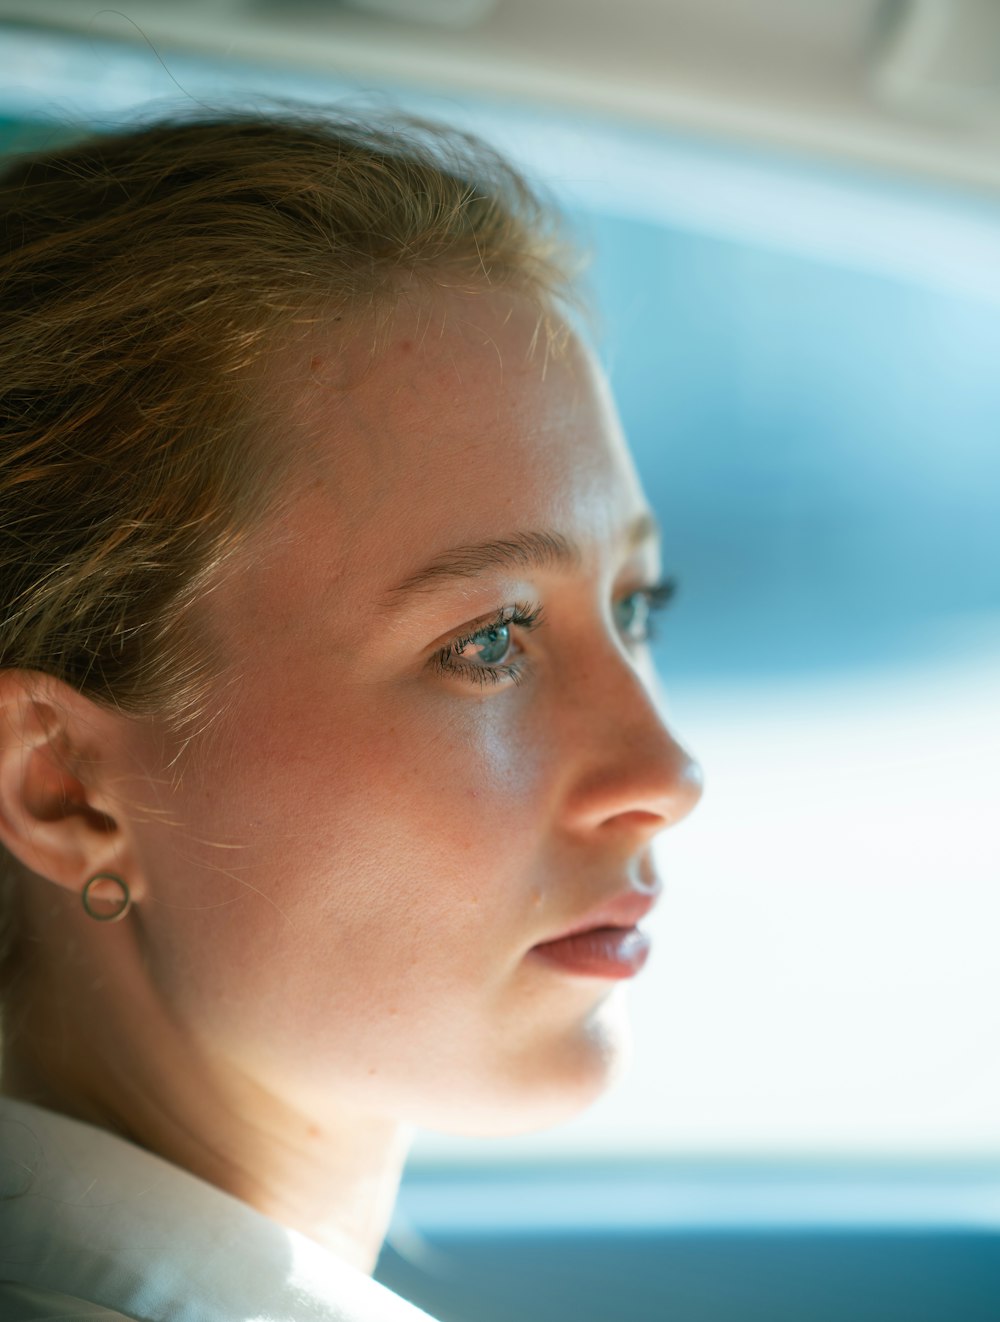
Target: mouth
x=600, y=952
x=607, y=943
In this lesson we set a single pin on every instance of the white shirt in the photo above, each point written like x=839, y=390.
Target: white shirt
x=95, y=1229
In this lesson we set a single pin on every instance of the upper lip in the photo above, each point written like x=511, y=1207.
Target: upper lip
x=624, y=910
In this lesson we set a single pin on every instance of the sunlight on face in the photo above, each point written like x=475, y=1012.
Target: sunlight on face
x=441, y=747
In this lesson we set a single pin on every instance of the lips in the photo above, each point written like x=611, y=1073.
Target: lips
x=606, y=943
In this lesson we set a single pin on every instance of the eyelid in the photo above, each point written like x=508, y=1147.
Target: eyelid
x=517, y=614
x=661, y=593
x=446, y=659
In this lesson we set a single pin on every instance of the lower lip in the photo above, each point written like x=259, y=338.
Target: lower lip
x=603, y=952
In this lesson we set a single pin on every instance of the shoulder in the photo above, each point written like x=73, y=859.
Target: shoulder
x=25, y=1303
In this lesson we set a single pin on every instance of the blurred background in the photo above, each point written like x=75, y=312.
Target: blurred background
x=793, y=210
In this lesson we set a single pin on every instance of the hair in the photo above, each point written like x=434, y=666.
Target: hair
x=144, y=277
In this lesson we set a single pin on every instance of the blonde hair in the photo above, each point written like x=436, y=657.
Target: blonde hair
x=143, y=276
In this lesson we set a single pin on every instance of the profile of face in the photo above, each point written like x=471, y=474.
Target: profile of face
x=440, y=746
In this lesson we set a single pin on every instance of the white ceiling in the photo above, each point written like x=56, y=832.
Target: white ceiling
x=912, y=85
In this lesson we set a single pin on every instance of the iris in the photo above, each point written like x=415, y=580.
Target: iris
x=632, y=616
x=488, y=646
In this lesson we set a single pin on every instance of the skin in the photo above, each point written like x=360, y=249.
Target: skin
x=337, y=888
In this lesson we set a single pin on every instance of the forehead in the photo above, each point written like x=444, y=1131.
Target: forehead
x=466, y=405
x=464, y=424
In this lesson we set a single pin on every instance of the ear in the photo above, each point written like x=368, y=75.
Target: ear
x=56, y=813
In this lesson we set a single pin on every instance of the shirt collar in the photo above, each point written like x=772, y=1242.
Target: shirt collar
x=88, y=1214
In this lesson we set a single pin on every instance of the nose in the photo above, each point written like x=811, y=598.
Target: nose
x=631, y=775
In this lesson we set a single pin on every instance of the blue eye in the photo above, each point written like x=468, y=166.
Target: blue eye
x=632, y=617
x=485, y=654
x=488, y=647
x=635, y=614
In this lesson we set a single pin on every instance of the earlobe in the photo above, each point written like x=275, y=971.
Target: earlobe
x=54, y=816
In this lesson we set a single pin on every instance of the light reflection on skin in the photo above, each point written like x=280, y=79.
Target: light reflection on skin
x=335, y=903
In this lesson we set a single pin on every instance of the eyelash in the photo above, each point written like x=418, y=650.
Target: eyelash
x=527, y=617
x=524, y=616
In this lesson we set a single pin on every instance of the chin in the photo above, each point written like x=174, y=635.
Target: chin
x=553, y=1082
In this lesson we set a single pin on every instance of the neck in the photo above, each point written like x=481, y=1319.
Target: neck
x=333, y=1176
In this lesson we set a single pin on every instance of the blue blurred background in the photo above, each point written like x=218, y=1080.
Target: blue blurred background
x=823, y=443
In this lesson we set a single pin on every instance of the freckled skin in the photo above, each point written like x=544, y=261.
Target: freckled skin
x=360, y=855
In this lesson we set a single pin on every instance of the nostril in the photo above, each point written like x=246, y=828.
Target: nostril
x=636, y=824
x=639, y=819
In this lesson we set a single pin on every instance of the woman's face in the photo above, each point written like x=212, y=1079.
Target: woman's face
x=440, y=747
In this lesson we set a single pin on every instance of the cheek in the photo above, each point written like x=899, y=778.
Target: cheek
x=442, y=768
x=349, y=888
x=348, y=839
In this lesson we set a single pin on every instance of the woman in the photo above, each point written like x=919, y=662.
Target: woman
x=329, y=756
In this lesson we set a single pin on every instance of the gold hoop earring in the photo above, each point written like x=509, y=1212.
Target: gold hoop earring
x=124, y=904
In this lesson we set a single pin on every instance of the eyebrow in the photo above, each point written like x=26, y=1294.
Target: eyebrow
x=522, y=550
